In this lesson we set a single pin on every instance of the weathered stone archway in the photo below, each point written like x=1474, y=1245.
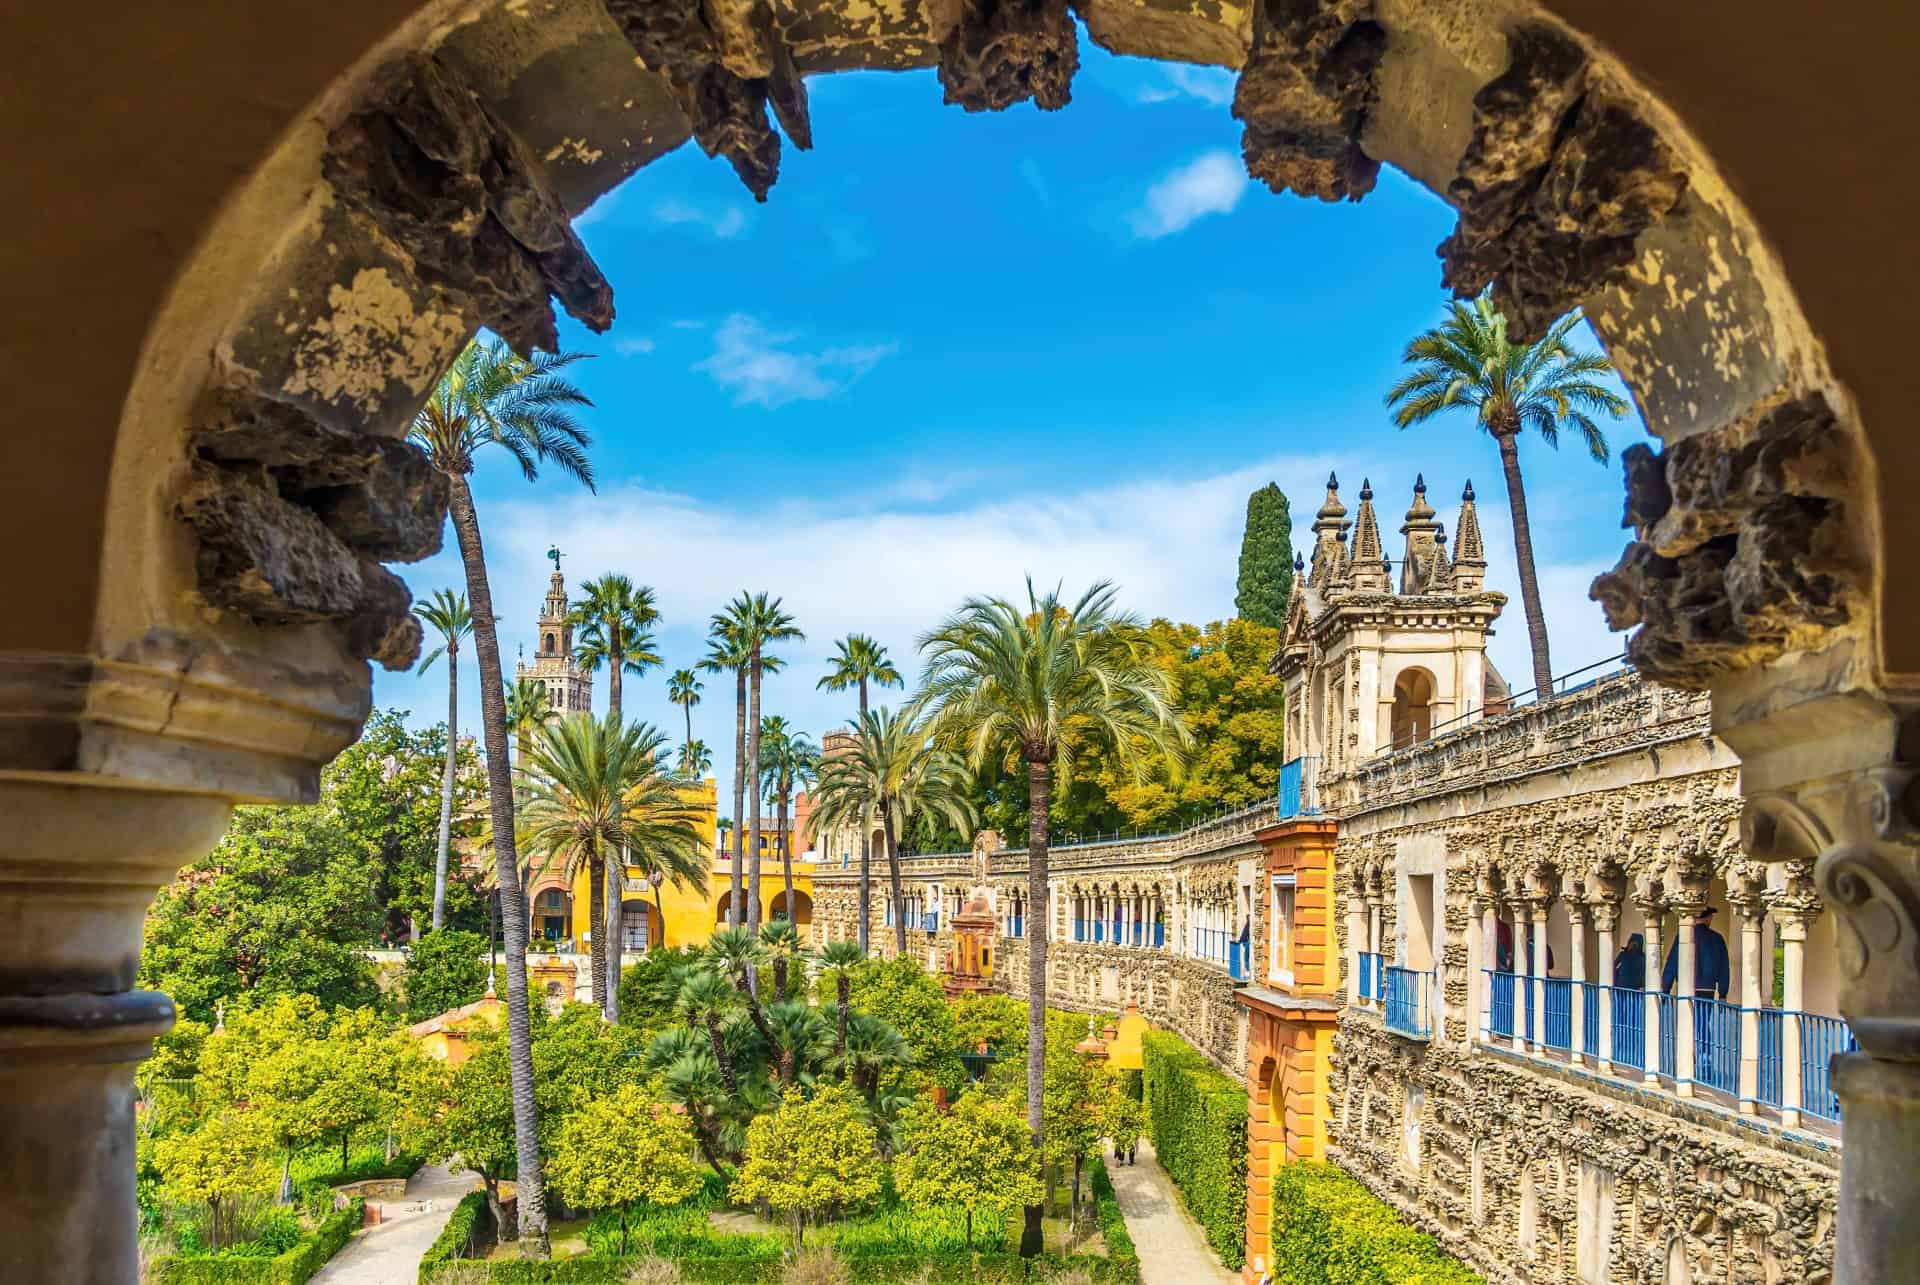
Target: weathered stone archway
x=257, y=237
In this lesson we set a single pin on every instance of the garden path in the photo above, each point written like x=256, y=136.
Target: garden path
x=1172, y=1249
x=389, y=1253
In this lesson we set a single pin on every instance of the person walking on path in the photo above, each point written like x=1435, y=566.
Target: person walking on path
x=1172, y=1249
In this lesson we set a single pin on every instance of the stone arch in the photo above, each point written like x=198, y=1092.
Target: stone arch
x=263, y=315
x=1414, y=691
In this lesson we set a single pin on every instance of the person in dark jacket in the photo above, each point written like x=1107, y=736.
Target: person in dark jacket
x=1712, y=979
x=1630, y=965
x=1712, y=970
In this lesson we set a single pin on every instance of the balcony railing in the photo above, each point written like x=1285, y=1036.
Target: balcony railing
x=1017, y=926
x=1409, y=993
x=1237, y=961
x=1718, y=1035
x=1370, y=965
x=930, y=922
x=1299, y=792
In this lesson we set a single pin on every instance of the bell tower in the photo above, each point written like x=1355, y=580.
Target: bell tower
x=569, y=688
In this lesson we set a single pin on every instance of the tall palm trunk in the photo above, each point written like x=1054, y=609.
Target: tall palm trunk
x=1039, y=806
x=532, y=1198
x=597, y=921
x=893, y=879
x=866, y=847
x=786, y=854
x=753, y=804
x=615, y=857
x=1523, y=555
x=739, y=792
x=446, y=787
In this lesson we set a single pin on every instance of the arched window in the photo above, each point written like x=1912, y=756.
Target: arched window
x=550, y=915
x=1412, y=707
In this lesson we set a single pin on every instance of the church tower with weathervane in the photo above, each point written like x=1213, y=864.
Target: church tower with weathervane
x=569, y=687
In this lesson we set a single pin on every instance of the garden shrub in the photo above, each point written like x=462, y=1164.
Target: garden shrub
x=457, y=1238
x=1197, y=1119
x=1328, y=1229
x=291, y=1267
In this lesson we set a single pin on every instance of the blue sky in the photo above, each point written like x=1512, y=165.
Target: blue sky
x=953, y=350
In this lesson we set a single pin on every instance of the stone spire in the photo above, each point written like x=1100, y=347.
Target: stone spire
x=1370, y=572
x=1329, y=534
x=1424, y=566
x=1469, y=554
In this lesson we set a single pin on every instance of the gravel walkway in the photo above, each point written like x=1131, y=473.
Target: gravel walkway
x=1173, y=1251
x=389, y=1253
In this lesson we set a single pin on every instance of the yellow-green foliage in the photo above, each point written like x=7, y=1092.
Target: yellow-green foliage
x=1197, y=1118
x=978, y=1156
x=219, y=1159
x=619, y=1150
x=1330, y=1230
x=811, y=1154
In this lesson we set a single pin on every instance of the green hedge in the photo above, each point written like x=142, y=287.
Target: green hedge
x=456, y=1238
x=1330, y=1230
x=290, y=1268
x=1197, y=1119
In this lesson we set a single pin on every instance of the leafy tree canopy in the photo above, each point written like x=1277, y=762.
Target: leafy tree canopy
x=445, y=970
x=978, y=1156
x=622, y=1150
x=905, y=996
x=291, y=897
x=812, y=1155
x=1232, y=706
x=1266, y=559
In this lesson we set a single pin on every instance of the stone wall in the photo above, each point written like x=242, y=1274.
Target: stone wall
x=1533, y=1164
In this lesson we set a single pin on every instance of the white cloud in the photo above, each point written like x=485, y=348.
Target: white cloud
x=760, y=369
x=1211, y=183
x=687, y=324
x=637, y=346
x=881, y=561
x=725, y=225
x=1210, y=85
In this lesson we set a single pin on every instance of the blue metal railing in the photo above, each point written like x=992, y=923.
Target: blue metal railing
x=1821, y=1037
x=1500, y=1007
x=1079, y=930
x=1668, y=1019
x=1159, y=934
x=1629, y=1027
x=1299, y=796
x=1236, y=961
x=1590, y=1017
x=1369, y=975
x=1407, y=1002
x=1770, y=1043
x=1525, y=983
x=1716, y=1044
x=1557, y=1030
x=1019, y=926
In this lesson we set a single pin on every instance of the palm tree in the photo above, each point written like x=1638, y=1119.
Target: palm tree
x=610, y=622
x=695, y=760
x=893, y=771
x=529, y=708
x=839, y=958
x=858, y=661
x=595, y=789
x=1467, y=362
x=787, y=757
x=447, y=613
x=738, y=954
x=727, y=652
x=683, y=689
x=782, y=940
x=493, y=397
x=1036, y=686
x=757, y=621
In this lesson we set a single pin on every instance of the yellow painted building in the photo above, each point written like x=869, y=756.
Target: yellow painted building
x=562, y=913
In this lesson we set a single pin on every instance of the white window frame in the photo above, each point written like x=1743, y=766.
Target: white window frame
x=1279, y=930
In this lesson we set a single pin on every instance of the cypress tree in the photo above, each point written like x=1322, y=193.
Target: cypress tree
x=1266, y=559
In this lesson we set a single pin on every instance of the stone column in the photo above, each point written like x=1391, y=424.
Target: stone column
x=1489, y=952
x=1577, y=1001
x=1793, y=923
x=1604, y=917
x=79, y=869
x=1523, y=966
x=1476, y=1008
x=1753, y=918
x=1683, y=1023
x=1650, y=1034
x=1356, y=942
x=1537, y=974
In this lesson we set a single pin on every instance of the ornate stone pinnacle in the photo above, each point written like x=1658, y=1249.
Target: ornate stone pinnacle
x=1467, y=494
